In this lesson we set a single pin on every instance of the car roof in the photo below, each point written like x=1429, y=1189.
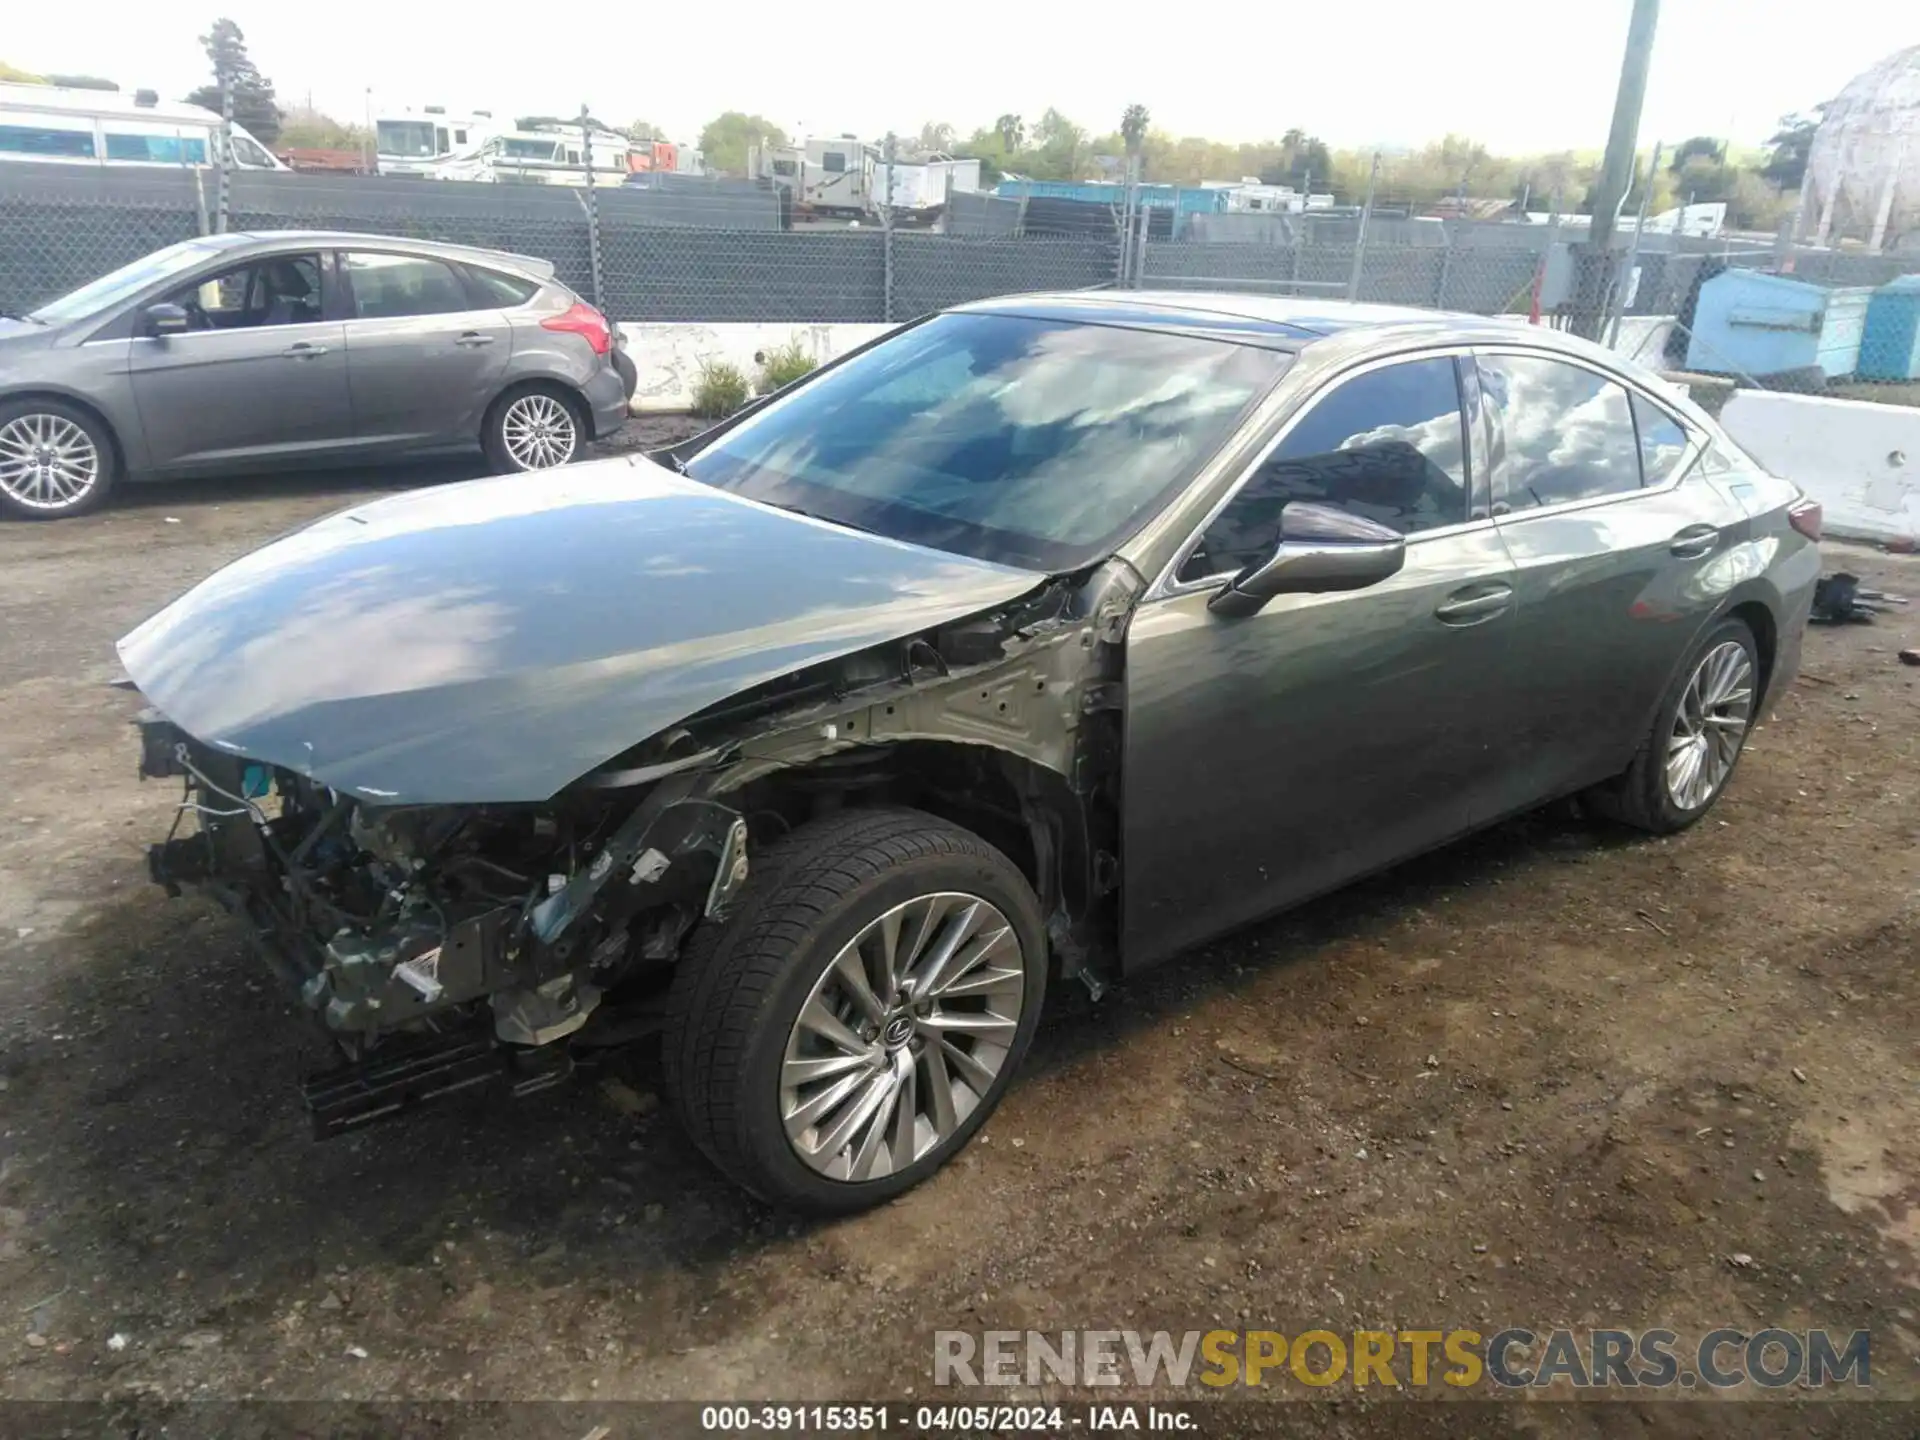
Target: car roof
x=531, y=266
x=1281, y=322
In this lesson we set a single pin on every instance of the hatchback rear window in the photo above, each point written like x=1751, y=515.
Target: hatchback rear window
x=505, y=290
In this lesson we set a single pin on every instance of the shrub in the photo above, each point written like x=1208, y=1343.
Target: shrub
x=721, y=390
x=783, y=365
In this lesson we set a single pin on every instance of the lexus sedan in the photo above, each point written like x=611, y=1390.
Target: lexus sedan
x=243, y=352
x=1034, y=643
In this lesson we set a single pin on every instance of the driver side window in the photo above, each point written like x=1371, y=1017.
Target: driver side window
x=1389, y=445
x=284, y=290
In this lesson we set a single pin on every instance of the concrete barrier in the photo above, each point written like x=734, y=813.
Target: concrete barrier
x=1861, y=461
x=669, y=355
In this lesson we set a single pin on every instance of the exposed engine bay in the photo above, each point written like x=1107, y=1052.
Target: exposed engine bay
x=442, y=946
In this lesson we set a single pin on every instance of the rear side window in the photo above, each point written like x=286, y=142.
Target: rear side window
x=389, y=286
x=157, y=149
x=1663, y=441
x=1389, y=445
x=502, y=290
x=37, y=140
x=1561, y=433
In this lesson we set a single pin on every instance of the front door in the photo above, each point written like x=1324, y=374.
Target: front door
x=260, y=376
x=1274, y=756
x=424, y=356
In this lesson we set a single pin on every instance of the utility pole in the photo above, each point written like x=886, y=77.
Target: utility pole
x=1616, y=172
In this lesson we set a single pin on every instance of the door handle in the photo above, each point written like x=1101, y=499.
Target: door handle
x=1475, y=605
x=474, y=338
x=1694, y=542
x=303, y=351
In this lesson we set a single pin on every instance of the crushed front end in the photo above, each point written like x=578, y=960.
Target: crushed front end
x=443, y=946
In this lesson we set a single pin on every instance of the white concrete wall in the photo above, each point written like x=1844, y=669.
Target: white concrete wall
x=1861, y=461
x=669, y=355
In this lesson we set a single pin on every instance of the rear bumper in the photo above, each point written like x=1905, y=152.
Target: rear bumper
x=606, y=395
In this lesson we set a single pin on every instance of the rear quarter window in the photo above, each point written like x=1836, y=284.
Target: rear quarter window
x=502, y=289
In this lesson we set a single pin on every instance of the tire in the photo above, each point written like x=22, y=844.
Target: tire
x=1644, y=795
x=733, y=1009
x=532, y=419
x=80, y=450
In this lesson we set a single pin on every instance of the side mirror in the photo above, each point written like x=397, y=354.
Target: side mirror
x=1321, y=549
x=167, y=318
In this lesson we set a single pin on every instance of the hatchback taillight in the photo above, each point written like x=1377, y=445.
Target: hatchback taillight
x=1805, y=516
x=582, y=319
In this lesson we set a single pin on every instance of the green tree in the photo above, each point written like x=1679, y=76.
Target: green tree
x=643, y=130
x=14, y=75
x=1012, y=132
x=727, y=137
x=253, y=104
x=1133, y=128
x=1060, y=150
x=305, y=129
x=1696, y=147
x=82, y=82
x=1786, y=163
x=936, y=138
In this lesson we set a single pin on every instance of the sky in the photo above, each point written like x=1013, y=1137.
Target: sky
x=1517, y=75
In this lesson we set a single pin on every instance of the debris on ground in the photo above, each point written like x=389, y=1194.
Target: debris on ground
x=1838, y=599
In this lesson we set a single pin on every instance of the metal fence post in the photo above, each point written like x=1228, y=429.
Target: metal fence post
x=593, y=211
x=1446, y=267
x=886, y=235
x=1360, y=240
x=1633, y=250
x=223, y=198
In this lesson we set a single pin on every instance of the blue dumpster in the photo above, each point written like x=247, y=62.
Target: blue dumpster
x=1751, y=323
x=1890, y=345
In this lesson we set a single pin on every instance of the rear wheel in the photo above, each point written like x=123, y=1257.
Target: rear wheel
x=533, y=428
x=1685, y=763
x=857, y=1019
x=55, y=460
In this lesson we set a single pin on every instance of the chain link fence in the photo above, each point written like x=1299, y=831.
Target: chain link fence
x=1760, y=312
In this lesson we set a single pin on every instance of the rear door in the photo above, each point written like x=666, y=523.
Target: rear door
x=1275, y=755
x=262, y=376
x=426, y=350
x=1614, y=551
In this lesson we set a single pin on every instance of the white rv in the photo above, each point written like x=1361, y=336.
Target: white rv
x=412, y=142
x=107, y=127
x=551, y=155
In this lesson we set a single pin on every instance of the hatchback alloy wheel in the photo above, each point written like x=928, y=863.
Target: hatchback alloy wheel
x=47, y=462
x=1710, y=725
x=539, y=432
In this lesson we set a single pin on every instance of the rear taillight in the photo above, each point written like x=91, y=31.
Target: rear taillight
x=582, y=319
x=1805, y=515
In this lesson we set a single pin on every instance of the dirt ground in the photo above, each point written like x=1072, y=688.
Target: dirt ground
x=1555, y=1075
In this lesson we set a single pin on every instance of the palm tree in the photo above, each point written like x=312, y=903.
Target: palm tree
x=1013, y=132
x=1133, y=127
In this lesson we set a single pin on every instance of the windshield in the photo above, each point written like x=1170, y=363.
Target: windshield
x=122, y=284
x=1036, y=443
x=528, y=149
x=411, y=139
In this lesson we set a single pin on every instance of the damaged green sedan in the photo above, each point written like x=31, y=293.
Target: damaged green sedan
x=1037, y=641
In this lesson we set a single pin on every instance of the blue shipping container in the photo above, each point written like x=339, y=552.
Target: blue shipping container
x=1752, y=323
x=1890, y=345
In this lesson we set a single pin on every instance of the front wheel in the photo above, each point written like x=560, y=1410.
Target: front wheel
x=1698, y=734
x=859, y=1016
x=55, y=460
x=533, y=429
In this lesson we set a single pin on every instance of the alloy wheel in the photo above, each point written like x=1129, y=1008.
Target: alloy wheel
x=1715, y=712
x=47, y=462
x=902, y=1036
x=539, y=432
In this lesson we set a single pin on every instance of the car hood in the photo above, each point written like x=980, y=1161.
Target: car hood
x=496, y=640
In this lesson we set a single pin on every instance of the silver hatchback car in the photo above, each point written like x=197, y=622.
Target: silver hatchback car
x=233, y=352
